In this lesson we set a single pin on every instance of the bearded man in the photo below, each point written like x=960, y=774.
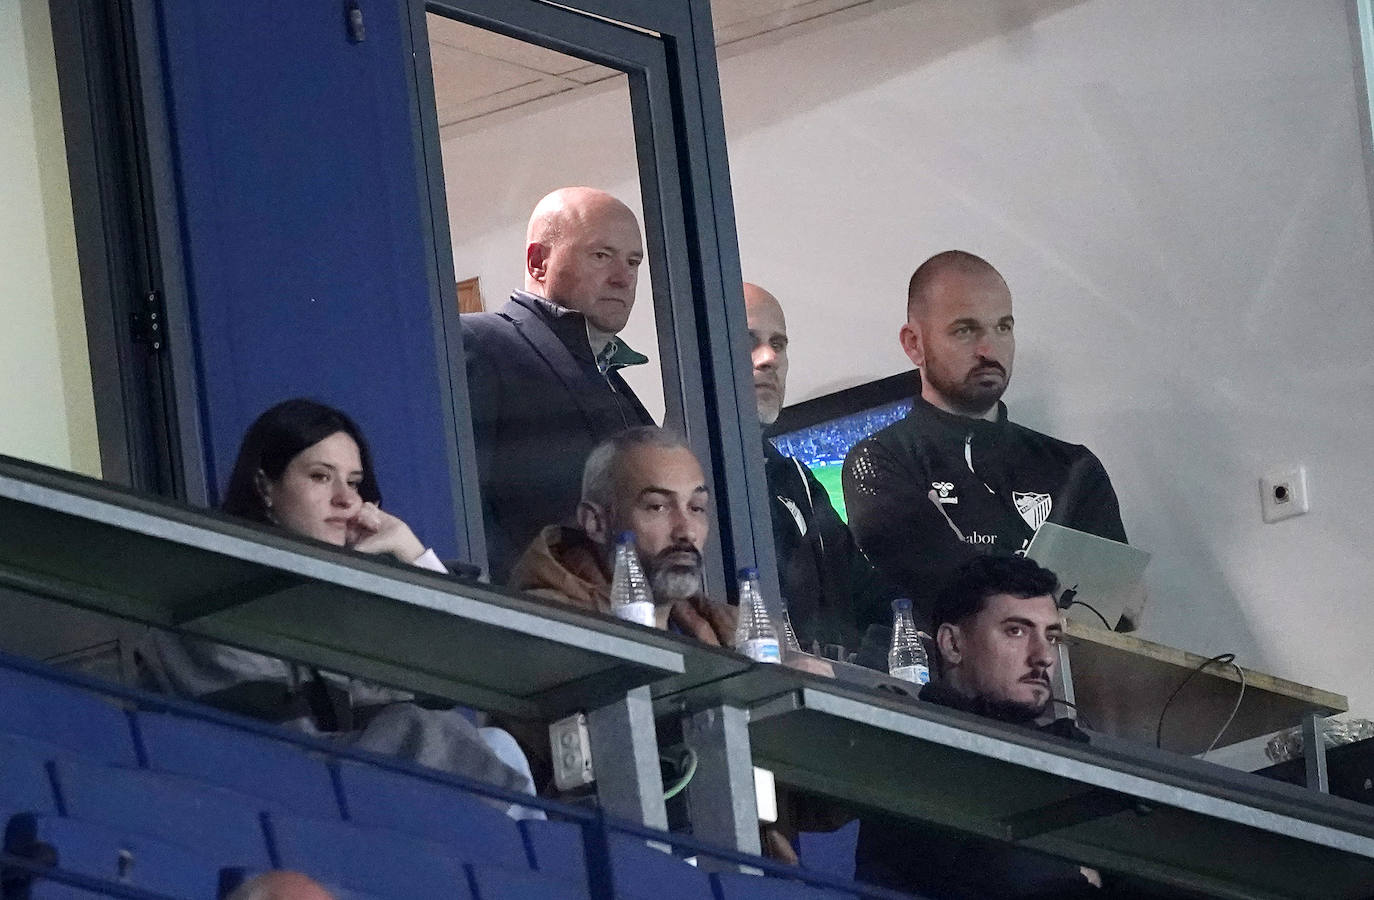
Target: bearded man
x=955, y=479
x=646, y=481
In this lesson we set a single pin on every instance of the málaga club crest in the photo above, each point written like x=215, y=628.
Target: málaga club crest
x=1034, y=508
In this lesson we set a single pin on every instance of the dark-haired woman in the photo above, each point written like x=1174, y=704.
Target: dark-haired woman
x=305, y=467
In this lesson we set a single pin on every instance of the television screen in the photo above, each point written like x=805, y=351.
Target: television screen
x=818, y=433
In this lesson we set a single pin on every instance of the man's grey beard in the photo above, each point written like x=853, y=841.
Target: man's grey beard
x=673, y=583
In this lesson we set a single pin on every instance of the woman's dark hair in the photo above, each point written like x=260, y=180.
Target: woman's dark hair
x=274, y=439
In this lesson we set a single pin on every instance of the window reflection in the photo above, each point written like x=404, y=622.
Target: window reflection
x=1177, y=201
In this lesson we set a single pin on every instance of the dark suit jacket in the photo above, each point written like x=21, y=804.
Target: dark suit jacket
x=539, y=405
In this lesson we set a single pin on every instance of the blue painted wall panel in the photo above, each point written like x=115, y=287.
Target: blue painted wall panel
x=304, y=240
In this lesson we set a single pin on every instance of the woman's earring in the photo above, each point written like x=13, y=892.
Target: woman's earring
x=260, y=484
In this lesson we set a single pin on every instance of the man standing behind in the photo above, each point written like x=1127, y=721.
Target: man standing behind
x=955, y=478
x=543, y=379
x=832, y=591
x=996, y=627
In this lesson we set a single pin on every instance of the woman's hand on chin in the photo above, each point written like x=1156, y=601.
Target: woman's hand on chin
x=375, y=531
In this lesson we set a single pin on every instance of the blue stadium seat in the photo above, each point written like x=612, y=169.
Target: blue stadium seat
x=78, y=721
x=641, y=872
x=224, y=826
x=497, y=883
x=372, y=860
x=25, y=785
x=557, y=848
x=104, y=852
x=831, y=852
x=738, y=886
x=240, y=760
x=380, y=798
x=56, y=890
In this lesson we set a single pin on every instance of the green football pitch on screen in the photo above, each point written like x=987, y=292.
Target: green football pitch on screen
x=829, y=477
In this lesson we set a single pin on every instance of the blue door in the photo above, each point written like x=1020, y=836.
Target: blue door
x=307, y=256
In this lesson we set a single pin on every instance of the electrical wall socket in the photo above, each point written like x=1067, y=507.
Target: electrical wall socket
x=1283, y=493
x=572, y=753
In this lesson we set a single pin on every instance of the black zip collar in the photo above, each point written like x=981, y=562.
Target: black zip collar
x=955, y=423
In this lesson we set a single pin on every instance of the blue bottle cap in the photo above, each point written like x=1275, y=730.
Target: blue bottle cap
x=748, y=573
x=625, y=537
x=901, y=604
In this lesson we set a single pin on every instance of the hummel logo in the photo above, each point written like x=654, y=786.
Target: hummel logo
x=944, y=491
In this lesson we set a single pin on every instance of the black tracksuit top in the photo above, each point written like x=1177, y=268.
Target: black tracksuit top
x=996, y=482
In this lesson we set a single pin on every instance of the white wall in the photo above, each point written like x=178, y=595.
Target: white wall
x=1175, y=193
x=46, y=410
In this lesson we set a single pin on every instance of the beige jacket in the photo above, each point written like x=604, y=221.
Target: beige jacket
x=563, y=565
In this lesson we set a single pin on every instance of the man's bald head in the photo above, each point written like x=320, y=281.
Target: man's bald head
x=582, y=251
x=959, y=333
x=933, y=270
x=569, y=205
x=768, y=350
x=281, y=885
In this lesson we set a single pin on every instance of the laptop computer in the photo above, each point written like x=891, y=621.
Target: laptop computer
x=1106, y=574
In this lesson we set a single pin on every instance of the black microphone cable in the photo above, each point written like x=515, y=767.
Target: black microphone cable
x=1228, y=659
x=1069, y=598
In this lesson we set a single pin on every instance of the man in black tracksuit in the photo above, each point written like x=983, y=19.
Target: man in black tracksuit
x=955, y=478
x=831, y=589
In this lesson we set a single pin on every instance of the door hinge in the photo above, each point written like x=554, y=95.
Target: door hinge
x=147, y=326
x=353, y=19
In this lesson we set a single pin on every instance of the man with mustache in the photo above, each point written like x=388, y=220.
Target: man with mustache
x=832, y=591
x=996, y=629
x=647, y=481
x=955, y=478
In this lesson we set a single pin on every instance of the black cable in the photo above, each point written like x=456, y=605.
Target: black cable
x=1105, y=623
x=1221, y=658
x=1069, y=598
x=1240, y=697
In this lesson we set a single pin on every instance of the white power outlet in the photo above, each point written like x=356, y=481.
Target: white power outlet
x=572, y=752
x=1283, y=493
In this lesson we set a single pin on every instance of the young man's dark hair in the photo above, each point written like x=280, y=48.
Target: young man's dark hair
x=969, y=588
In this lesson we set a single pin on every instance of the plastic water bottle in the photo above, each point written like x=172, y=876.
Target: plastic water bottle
x=907, y=657
x=755, y=636
x=631, y=598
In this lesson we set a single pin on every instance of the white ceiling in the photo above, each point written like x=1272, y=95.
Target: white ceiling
x=478, y=74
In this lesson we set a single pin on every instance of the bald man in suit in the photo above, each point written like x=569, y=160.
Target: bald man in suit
x=543, y=373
